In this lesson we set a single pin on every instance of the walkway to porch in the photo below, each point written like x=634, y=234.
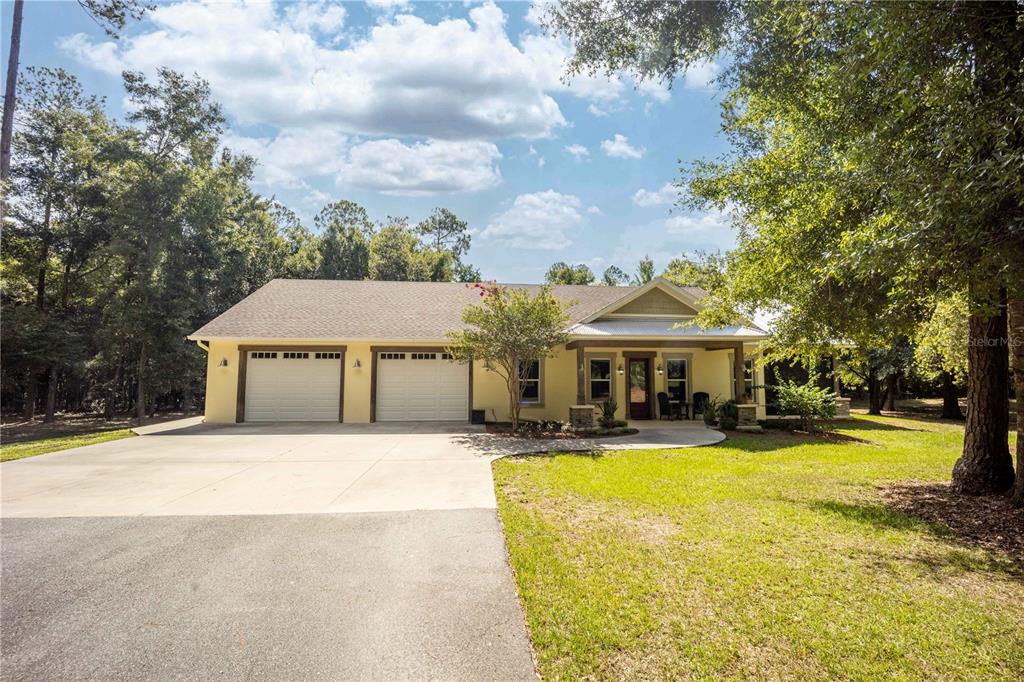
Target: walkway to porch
x=652, y=435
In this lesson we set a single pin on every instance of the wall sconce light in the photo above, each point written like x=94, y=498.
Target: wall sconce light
x=223, y=362
x=621, y=369
x=660, y=370
x=357, y=364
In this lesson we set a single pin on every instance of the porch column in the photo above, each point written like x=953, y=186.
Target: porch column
x=737, y=368
x=581, y=392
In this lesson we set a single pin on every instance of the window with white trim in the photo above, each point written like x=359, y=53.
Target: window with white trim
x=675, y=378
x=748, y=380
x=599, y=376
x=530, y=378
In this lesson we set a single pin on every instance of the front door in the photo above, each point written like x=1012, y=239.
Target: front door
x=639, y=389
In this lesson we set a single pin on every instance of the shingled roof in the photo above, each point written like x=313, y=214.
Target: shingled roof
x=345, y=309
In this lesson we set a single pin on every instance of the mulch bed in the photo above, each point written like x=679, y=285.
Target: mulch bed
x=989, y=521
x=504, y=429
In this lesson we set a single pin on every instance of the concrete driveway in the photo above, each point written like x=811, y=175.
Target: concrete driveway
x=266, y=552
x=304, y=468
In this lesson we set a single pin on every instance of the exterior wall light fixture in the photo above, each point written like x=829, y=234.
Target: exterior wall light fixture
x=357, y=364
x=223, y=362
x=621, y=369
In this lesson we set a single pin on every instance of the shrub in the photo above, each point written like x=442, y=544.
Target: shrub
x=711, y=412
x=728, y=414
x=607, y=418
x=808, y=402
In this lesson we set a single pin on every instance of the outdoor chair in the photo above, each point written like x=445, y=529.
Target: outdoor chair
x=666, y=410
x=700, y=403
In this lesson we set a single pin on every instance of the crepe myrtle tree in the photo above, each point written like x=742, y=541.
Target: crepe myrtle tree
x=507, y=330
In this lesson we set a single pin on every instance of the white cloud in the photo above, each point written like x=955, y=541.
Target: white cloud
x=458, y=78
x=619, y=148
x=387, y=5
x=664, y=196
x=294, y=153
x=432, y=167
x=536, y=221
x=710, y=223
x=699, y=76
x=541, y=162
x=578, y=151
x=316, y=16
x=594, y=210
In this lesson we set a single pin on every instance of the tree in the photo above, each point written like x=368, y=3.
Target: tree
x=111, y=15
x=644, y=271
x=392, y=252
x=613, y=276
x=563, y=273
x=855, y=129
x=509, y=330
x=704, y=270
x=445, y=231
x=303, y=256
x=940, y=349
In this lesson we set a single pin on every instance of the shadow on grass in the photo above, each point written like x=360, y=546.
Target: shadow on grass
x=941, y=518
x=779, y=439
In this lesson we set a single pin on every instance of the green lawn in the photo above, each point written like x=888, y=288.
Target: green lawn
x=768, y=557
x=11, y=451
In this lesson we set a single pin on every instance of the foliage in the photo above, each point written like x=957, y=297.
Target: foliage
x=807, y=401
x=614, y=276
x=608, y=409
x=704, y=270
x=778, y=533
x=940, y=342
x=710, y=414
x=728, y=414
x=644, y=271
x=509, y=329
x=563, y=273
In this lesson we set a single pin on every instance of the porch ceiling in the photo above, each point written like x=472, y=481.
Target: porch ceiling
x=662, y=330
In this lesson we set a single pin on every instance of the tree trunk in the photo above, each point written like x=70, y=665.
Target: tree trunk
x=950, y=401
x=51, y=393
x=1016, y=335
x=140, y=395
x=874, y=403
x=29, y=411
x=891, y=389
x=7, y=129
x=109, y=409
x=985, y=465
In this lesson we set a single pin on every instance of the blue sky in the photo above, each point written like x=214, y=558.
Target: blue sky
x=402, y=107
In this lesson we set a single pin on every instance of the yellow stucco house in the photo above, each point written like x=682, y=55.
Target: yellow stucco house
x=365, y=351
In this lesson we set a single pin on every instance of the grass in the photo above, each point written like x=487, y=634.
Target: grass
x=766, y=557
x=12, y=451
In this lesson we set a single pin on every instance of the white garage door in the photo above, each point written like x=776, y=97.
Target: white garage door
x=421, y=387
x=282, y=386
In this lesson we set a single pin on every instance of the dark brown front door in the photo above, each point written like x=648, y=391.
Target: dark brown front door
x=639, y=389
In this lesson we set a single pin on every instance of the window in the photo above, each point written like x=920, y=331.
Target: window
x=328, y=356
x=295, y=356
x=392, y=356
x=263, y=355
x=530, y=377
x=748, y=380
x=423, y=356
x=675, y=379
x=600, y=378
